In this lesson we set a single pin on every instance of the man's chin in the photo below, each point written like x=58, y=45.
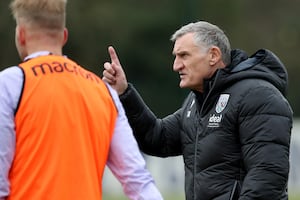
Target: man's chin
x=182, y=85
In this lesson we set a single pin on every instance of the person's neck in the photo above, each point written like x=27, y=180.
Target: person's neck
x=44, y=44
x=52, y=50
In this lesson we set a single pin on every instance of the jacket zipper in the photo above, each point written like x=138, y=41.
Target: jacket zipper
x=233, y=191
x=195, y=165
x=197, y=136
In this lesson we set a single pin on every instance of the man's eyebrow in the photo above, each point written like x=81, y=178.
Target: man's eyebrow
x=179, y=52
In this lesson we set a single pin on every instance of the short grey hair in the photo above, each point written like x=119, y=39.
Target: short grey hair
x=207, y=35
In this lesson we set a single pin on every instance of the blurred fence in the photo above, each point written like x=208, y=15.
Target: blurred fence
x=169, y=172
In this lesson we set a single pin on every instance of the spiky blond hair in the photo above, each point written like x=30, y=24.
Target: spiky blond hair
x=49, y=14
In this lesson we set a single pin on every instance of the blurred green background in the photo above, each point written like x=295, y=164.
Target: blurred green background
x=140, y=30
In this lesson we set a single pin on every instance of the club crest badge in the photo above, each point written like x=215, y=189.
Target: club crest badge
x=222, y=102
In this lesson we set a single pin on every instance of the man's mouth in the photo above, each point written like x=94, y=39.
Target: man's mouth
x=181, y=75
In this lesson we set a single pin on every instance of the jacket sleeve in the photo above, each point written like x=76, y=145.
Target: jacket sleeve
x=265, y=124
x=157, y=137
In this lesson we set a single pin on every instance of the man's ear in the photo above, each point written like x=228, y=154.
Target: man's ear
x=66, y=35
x=21, y=35
x=215, y=55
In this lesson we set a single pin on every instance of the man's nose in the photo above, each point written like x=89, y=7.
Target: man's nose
x=177, y=65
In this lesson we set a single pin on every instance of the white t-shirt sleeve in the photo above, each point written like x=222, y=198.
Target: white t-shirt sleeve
x=11, y=83
x=127, y=163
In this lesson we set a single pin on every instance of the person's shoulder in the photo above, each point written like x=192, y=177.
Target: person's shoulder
x=252, y=85
x=11, y=74
x=264, y=96
x=11, y=82
x=256, y=92
x=11, y=79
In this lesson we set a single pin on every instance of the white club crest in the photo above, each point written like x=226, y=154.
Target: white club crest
x=222, y=102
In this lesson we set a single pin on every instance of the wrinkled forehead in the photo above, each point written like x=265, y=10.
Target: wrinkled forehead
x=186, y=43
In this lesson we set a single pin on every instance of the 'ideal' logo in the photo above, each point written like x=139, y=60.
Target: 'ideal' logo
x=215, y=118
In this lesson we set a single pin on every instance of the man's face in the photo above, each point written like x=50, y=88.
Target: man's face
x=191, y=62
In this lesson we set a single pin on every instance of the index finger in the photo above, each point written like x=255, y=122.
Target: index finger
x=113, y=55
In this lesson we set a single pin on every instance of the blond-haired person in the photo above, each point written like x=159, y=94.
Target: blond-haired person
x=59, y=123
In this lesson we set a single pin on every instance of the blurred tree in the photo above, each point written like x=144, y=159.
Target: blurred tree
x=140, y=31
x=8, y=55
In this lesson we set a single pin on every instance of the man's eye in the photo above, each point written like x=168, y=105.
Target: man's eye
x=182, y=55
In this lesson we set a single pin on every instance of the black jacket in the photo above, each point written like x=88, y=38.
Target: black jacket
x=234, y=137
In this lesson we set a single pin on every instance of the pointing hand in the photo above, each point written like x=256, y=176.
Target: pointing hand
x=113, y=72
